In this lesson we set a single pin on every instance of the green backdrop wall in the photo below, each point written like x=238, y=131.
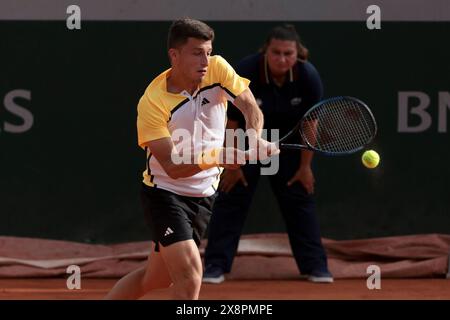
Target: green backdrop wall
x=75, y=172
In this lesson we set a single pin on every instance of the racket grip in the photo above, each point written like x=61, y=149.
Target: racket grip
x=292, y=146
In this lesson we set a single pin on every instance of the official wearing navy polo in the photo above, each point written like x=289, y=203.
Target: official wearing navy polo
x=285, y=85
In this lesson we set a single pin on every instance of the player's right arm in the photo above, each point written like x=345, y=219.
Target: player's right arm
x=164, y=151
x=154, y=134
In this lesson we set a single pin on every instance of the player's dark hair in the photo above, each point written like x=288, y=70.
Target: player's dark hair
x=185, y=28
x=287, y=32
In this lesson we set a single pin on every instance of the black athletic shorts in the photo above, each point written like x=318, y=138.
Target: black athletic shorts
x=173, y=218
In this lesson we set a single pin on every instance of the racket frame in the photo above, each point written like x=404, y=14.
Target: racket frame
x=308, y=146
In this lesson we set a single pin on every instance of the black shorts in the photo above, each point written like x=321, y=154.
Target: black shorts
x=173, y=218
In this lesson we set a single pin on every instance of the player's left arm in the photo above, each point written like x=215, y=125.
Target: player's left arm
x=241, y=96
x=254, y=118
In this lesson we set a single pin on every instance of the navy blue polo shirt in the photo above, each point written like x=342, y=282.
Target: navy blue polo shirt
x=282, y=106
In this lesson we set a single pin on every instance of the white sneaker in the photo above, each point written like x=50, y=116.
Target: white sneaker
x=213, y=274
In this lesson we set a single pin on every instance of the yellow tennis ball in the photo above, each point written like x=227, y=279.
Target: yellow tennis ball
x=370, y=159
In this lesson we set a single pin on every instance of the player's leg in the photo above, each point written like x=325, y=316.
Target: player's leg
x=153, y=275
x=179, y=223
x=225, y=228
x=184, y=265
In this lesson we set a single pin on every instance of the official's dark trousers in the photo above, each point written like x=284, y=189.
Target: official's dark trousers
x=297, y=207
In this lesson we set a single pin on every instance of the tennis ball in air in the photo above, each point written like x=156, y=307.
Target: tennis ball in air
x=370, y=159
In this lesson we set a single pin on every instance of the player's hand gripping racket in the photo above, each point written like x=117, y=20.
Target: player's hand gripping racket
x=335, y=126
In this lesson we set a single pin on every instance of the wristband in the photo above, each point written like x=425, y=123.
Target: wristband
x=209, y=158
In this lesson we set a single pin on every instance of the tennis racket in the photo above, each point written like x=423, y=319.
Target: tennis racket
x=335, y=126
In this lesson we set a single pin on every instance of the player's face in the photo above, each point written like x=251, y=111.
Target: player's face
x=281, y=56
x=192, y=59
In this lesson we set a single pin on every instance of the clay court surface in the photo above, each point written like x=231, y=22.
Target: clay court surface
x=93, y=289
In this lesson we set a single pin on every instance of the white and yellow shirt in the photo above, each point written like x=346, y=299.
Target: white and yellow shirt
x=201, y=116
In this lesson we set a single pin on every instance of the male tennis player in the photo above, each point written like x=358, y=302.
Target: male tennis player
x=189, y=98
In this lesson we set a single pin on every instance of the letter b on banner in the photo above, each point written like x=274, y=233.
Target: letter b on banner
x=419, y=110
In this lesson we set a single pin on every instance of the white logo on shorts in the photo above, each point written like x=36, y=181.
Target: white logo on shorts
x=168, y=232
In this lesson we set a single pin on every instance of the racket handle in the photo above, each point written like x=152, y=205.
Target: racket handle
x=292, y=146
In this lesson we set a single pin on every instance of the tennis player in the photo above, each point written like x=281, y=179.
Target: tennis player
x=189, y=98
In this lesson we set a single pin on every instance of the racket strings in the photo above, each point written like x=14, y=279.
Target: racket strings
x=356, y=132
x=351, y=135
x=338, y=126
